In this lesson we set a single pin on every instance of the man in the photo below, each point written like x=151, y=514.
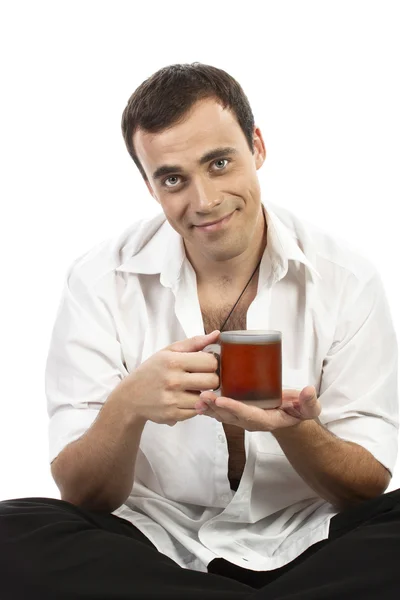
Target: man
x=169, y=491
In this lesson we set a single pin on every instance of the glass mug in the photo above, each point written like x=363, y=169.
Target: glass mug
x=250, y=366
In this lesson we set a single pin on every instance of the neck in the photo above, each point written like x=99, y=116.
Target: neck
x=234, y=272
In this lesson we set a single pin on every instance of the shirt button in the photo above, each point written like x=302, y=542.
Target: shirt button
x=221, y=438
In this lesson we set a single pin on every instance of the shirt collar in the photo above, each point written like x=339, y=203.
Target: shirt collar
x=158, y=248
x=283, y=246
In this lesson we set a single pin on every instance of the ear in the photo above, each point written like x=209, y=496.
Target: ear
x=151, y=191
x=260, y=152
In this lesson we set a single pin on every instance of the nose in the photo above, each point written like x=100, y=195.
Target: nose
x=204, y=197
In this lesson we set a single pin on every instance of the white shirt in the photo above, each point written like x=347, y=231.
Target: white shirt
x=130, y=297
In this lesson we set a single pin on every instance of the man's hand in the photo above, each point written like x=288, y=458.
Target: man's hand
x=165, y=388
x=315, y=453
x=296, y=407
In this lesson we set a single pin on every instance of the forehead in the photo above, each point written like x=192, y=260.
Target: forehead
x=208, y=125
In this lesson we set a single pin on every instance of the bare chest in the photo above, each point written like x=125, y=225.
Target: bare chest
x=215, y=310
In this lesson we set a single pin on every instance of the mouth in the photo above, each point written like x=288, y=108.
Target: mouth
x=215, y=225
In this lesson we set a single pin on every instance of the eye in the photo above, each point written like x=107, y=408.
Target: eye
x=171, y=181
x=220, y=166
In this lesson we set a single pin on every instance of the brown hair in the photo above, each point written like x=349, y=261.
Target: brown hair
x=164, y=99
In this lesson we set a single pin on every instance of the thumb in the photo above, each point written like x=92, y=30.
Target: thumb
x=194, y=344
x=309, y=394
x=309, y=402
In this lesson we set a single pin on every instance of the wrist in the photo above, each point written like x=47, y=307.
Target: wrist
x=122, y=403
x=297, y=429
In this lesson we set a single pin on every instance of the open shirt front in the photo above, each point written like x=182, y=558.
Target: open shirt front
x=130, y=297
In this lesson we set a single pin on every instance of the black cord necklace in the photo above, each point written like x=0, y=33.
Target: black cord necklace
x=238, y=300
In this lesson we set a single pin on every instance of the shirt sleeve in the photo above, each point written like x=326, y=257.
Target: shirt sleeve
x=84, y=363
x=359, y=393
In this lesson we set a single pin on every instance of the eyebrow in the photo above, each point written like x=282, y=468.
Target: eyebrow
x=211, y=155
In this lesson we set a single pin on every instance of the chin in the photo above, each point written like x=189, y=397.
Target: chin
x=224, y=254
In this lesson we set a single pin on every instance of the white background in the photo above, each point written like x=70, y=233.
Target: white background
x=323, y=81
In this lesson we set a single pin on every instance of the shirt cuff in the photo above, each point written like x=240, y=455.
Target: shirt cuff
x=67, y=425
x=374, y=434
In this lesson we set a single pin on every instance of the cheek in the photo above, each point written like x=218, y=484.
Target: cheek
x=244, y=183
x=175, y=210
x=253, y=196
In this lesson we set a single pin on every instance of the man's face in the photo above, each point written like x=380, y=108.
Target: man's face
x=201, y=171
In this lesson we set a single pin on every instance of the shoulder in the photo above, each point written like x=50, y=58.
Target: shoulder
x=100, y=263
x=333, y=256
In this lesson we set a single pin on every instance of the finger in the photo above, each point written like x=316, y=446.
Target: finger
x=290, y=402
x=226, y=416
x=186, y=406
x=309, y=405
x=204, y=404
x=212, y=414
x=197, y=362
x=212, y=411
x=200, y=381
x=194, y=344
x=252, y=417
x=290, y=395
x=309, y=393
x=237, y=408
x=187, y=400
x=185, y=414
x=208, y=396
x=201, y=406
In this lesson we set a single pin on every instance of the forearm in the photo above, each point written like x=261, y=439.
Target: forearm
x=97, y=470
x=341, y=472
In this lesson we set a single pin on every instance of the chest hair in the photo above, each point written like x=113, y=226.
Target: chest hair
x=214, y=314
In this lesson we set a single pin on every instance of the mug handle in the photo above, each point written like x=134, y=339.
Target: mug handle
x=216, y=350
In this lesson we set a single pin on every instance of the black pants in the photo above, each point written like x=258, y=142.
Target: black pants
x=52, y=550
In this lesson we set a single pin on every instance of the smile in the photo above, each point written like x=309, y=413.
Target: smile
x=215, y=225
